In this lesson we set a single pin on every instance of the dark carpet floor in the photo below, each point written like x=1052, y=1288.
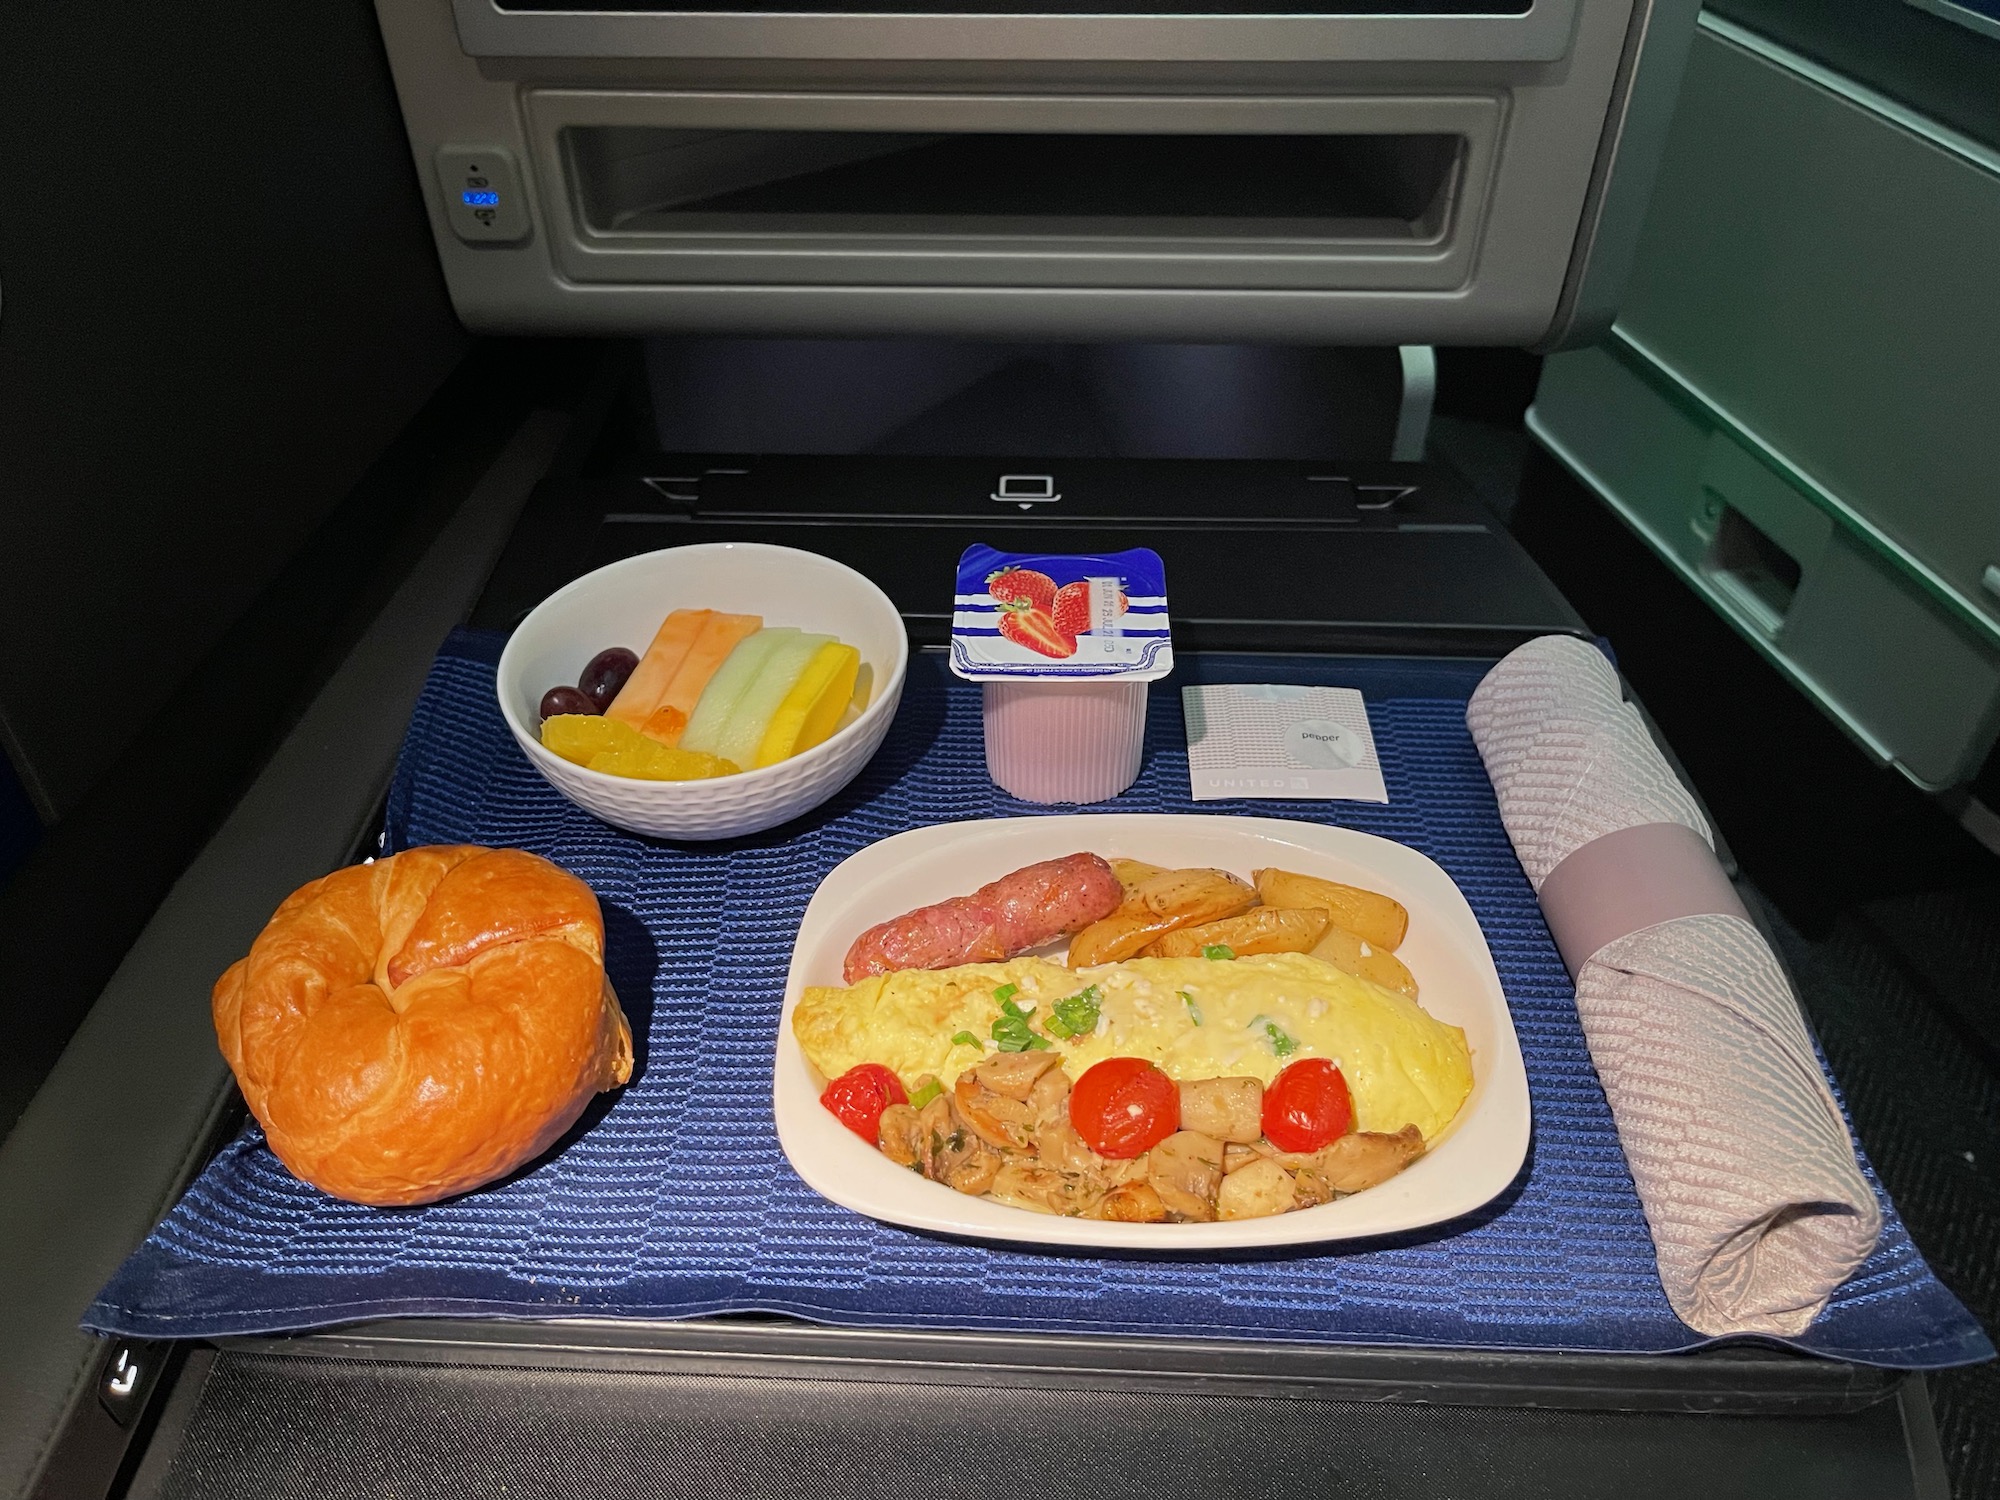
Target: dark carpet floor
x=1886, y=909
x=1925, y=1094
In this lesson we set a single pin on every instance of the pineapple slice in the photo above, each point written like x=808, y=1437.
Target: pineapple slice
x=812, y=709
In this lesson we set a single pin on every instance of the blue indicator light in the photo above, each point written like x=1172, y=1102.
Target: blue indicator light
x=482, y=200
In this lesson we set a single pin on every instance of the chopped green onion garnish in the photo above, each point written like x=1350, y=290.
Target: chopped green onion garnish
x=1218, y=951
x=1014, y=1036
x=1011, y=1029
x=927, y=1093
x=1019, y=1039
x=1281, y=1044
x=965, y=1039
x=1077, y=1014
x=1194, y=1011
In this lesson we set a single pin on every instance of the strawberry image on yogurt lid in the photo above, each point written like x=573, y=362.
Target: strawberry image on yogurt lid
x=1056, y=616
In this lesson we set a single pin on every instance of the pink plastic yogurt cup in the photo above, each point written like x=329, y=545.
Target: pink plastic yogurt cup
x=1062, y=725
x=1077, y=741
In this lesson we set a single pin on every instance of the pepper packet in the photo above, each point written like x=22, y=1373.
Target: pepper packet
x=1277, y=740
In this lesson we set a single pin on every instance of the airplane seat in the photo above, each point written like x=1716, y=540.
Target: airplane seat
x=1319, y=172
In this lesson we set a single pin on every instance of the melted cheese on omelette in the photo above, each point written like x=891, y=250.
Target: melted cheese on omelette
x=1195, y=1017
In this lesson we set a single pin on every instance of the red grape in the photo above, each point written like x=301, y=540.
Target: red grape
x=606, y=674
x=566, y=700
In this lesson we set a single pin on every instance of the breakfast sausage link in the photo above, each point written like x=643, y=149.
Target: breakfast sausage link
x=1032, y=906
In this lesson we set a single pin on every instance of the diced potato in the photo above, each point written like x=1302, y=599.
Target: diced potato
x=900, y=1136
x=1230, y=1109
x=1133, y=1203
x=1020, y=1184
x=1369, y=915
x=1257, y=1191
x=1344, y=950
x=1360, y=1161
x=1313, y=1189
x=1263, y=929
x=1236, y=1156
x=1157, y=905
x=1185, y=1171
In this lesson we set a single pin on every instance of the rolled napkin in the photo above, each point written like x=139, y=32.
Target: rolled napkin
x=1743, y=1163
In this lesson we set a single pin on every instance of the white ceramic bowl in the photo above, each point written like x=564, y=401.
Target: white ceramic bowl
x=623, y=605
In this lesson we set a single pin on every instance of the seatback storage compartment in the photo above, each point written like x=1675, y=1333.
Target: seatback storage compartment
x=1367, y=193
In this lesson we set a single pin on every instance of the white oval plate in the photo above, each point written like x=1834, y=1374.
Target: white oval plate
x=1477, y=1156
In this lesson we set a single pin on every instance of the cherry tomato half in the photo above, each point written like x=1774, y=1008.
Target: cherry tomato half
x=1124, y=1106
x=858, y=1097
x=1307, y=1106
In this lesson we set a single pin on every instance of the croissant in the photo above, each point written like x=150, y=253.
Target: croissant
x=418, y=1026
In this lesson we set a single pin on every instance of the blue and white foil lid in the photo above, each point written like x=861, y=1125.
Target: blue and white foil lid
x=1056, y=616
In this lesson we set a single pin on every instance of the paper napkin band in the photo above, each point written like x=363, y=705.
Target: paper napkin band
x=1626, y=881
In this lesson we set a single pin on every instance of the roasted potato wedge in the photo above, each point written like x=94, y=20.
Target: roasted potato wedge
x=1374, y=918
x=1262, y=929
x=1117, y=937
x=1158, y=905
x=1132, y=872
x=1363, y=960
x=1195, y=895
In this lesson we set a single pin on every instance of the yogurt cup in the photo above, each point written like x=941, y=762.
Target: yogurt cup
x=1065, y=645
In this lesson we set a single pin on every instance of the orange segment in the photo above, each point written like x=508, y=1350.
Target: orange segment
x=648, y=760
x=577, y=737
x=620, y=750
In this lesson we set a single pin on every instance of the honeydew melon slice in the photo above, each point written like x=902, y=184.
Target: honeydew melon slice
x=774, y=683
x=716, y=710
x=813, y=707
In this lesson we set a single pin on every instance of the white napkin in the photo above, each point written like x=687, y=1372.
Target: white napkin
x=1742, y=1161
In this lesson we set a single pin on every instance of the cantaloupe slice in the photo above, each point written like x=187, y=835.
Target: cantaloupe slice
x=775, y=680
x=716, y=709
x=813, y=707
x=655, y=673
x=671, y=714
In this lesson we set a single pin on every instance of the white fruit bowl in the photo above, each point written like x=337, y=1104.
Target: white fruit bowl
x=623, y=605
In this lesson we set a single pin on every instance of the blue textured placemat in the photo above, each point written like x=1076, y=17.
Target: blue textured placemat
x=677, y=1201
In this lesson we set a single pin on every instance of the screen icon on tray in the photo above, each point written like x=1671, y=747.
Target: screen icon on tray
x=1026, y=490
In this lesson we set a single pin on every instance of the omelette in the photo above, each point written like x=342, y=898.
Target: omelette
x=1195, y=1017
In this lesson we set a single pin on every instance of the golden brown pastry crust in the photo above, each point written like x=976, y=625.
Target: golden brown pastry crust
x=415, y=1027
